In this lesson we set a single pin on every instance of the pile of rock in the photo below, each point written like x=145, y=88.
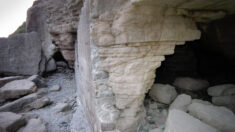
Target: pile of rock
x=21, y=94
x=167, y=112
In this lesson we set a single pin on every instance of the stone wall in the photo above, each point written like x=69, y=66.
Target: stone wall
x=21, y=55
x=120, y=46
x=56, y=22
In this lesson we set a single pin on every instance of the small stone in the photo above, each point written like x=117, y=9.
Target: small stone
x=218, y=117
x=190, y=84
x=163, y=93
x=55, y=88
x=61, y=64
x=10, y=122
x=35, y=125
x=179, y=121
x=218, y=90
x=38, y=80
x=17, y=88
x=156, y=130
x=61, y=107
x=181, y=102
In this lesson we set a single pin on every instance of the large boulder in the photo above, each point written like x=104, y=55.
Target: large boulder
x=10, y=122
x=191, y=84
x=227, y=101
x=21, y=54
x=179, y=121
x=221, y=90
x=17, y=88
x=218, y=117
x=163, y=93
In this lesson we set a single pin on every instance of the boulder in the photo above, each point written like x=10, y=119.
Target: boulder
x=191, y=84
x=17, y=88
x=201, y=101
x=35, y=125
x=218, y=117
x=181, y=102
x=228, y=101
x=5, y=80
x=219, y=90
x=61, y=64
x=16, y=52
x=19, y=104
x=51, y=65
x=179, y=121
x=163, y=93
x=10, y=122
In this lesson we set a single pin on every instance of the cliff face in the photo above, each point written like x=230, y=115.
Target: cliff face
x=56, y=23
x=120, y=46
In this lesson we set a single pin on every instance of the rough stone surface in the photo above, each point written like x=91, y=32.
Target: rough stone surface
x=181, y=102
x=163, y=93
x=17, y=51
x=37, y=104
x=38, y=80
x=56, y=22
x=5, y=80
x=179, y=121
x=156, y=130
x=227, y=101
x=191, y=84
x=17, y=88
x=61, y=107
x=127, y=40
x=219, y=117
x=19, y=104
x=10, y=122
x=35, y=125
x=51, y=65
x=220, y=90
x=55, y=88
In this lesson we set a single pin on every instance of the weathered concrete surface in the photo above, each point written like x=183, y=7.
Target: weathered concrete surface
x=21, y=54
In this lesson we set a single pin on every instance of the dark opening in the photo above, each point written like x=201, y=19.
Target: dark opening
x=211, y=58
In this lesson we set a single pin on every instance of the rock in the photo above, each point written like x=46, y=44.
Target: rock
x=163, y=93
x=218, y=117
x=5, y=80
x=51, y=65
x=181, y=102
x=61, y=64
x=156, y=130
x=19, y=104
x=55, y=88
x=37, y=104
x=38, y=80
x=35, y=125
x=220, y=89
x=17, y=88
x=10, y=122
x=227, y=101
x=201, y=101
x=16, y=53
x=61, y=107
x=179, y=121
x=190, y=84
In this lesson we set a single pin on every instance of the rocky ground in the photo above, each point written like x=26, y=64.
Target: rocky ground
x=52, y=110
